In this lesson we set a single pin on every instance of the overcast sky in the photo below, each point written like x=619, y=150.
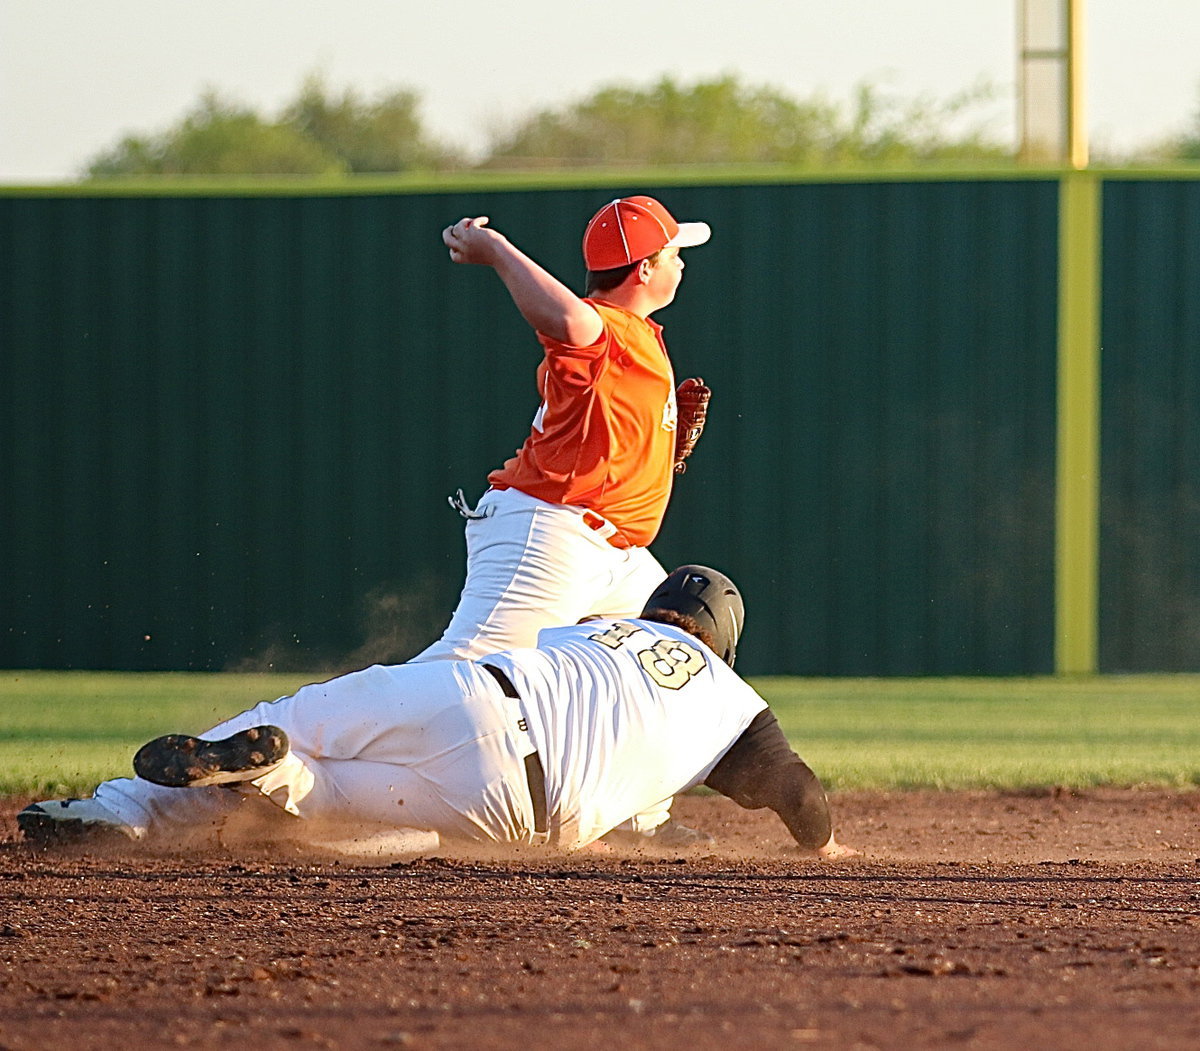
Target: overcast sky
x=76, y=75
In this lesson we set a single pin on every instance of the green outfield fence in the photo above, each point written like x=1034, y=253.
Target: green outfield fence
x=953, y=429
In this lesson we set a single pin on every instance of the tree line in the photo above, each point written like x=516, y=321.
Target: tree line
x=328, y=132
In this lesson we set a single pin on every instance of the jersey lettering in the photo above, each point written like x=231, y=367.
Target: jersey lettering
x=670, y=663
x=615, y=636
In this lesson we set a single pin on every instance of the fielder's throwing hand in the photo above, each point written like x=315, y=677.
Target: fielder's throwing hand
x=470, y=241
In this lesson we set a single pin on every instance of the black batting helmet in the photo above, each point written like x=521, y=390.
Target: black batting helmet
x=710, y=598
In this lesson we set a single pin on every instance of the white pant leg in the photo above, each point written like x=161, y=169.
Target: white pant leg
x=532, y=565
x=639, y=574
x=434, y=746
x=155, y=811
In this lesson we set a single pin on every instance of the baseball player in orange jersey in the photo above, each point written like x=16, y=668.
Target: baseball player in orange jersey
x=562, y=531
x=557, y=744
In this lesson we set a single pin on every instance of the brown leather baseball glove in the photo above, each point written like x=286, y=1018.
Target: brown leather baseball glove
x=692, y=398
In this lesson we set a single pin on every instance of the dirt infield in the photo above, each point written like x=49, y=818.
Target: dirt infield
x=972, y=921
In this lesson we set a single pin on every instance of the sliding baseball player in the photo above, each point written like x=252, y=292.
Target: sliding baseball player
x=556, y=744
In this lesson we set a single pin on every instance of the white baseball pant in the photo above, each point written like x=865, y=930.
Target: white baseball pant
x=532, y=565
x=433, y=746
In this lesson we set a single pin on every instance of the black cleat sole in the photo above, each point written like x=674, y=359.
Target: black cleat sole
x=181, y=761
x=43, y=829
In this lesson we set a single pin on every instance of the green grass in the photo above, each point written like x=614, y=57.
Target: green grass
x=61, y=732
x=994, y=733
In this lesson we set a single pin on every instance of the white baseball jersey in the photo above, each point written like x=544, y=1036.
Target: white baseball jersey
x=624, y=714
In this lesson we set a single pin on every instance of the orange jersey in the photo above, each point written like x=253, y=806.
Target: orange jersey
x=604, y=436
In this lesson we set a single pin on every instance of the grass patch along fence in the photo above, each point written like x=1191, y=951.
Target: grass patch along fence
x=1000, y=733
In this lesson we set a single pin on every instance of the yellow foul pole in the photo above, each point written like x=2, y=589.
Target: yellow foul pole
x=1077, y=511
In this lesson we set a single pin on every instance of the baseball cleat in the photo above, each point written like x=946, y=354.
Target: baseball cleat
x=672, y=834
x=180, y=761
x=71, y=821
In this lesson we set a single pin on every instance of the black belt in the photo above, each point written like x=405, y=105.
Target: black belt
x=534, y=772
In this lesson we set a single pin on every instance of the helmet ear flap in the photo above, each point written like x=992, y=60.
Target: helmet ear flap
x=708, y=597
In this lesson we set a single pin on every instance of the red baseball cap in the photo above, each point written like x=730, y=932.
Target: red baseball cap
x=632, y=228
